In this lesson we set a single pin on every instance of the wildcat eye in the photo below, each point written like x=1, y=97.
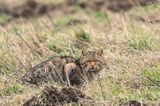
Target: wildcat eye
x=89, y=61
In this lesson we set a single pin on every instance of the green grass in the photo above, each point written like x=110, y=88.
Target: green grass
x=63, y=21
x=125, y=87
x=4, y=18
x=54, y=48
x=151, y=76
x=142, y=95
x=100, y=16
x=9, y=66
x=42, y=37
x=14, y=88
x=76, y=8
x=82, y=35
x=141, y=41
x=51, y=1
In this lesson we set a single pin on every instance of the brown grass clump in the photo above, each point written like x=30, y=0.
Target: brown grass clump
x=113, y=5
x=151, y=18
x=134, y=103
x=52, y=96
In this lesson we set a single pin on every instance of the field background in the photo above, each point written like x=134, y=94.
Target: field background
x=129, y=37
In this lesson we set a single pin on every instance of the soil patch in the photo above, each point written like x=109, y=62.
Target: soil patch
x=52, y=96
x=32, y=8
x=28, y=9
x=113, y=5
x=134, y=103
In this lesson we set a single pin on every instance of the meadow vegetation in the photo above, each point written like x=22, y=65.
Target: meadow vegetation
x=132, y=52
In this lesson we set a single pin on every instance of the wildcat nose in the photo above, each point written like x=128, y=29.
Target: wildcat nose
x=92, y=64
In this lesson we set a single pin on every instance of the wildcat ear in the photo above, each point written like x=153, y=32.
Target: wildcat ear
x=84, y=53
x=100, y=52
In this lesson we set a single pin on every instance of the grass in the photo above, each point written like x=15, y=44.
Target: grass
x=54, y=48
x=151, y=76
x=128, y=73
x=100, y=16
x=127, y=88
x=82, y=35
x=51, y=1
x=141, y=42
x=63, y=21
x=149, y=9
x=4, y=18
x=12, y=89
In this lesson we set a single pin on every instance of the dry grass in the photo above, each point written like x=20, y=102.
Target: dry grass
x=131, y=47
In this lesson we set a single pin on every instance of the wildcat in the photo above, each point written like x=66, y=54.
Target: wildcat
x=66, y=69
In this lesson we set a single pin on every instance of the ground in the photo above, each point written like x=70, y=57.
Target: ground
x=131, y=47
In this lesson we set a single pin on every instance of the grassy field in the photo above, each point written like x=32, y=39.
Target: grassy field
x=132, y=52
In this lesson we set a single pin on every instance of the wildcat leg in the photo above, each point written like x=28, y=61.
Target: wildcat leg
x=68, y=70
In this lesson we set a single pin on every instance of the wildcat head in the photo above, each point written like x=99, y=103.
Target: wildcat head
x=91, y=61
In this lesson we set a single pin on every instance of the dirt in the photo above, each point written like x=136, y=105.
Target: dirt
x=52, y=96
x=113, y=5
x=28, y=9
x=32, y=8
x=134, y=103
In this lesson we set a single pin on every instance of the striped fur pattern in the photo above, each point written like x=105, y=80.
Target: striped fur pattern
x=66, y=69
x=47, y=71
